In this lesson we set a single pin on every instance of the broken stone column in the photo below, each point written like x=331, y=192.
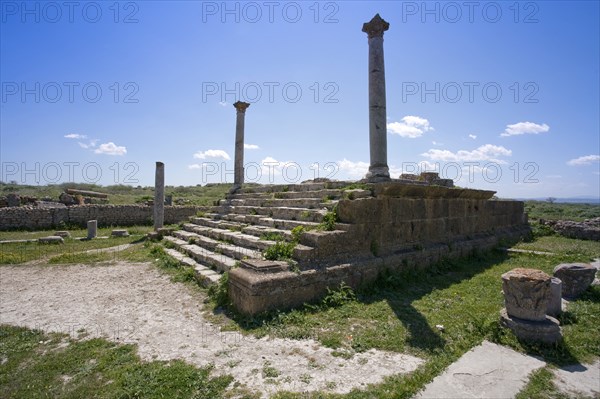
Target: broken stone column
x=555, y=303
x=238, y=170
x=378, y=169
x=92, y=229
x=527, y=294
x=159, y=196
x=576, y=278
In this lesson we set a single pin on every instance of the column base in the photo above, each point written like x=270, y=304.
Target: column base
x=377, y=174
x=235, y=188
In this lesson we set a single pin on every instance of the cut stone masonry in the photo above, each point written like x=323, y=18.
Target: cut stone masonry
x=380, y=227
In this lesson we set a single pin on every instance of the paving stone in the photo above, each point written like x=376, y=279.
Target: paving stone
x=486, y=371
x=579, y=380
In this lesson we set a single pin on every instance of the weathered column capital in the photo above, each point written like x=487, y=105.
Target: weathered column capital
x=241, y=106
x=375, y=27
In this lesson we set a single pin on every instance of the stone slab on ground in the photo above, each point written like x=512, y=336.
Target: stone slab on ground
x=51, y=240
x=486, y=371
x=579, y=379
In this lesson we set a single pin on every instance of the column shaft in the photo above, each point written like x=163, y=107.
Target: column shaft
x=238, y=168
x=159, y=196
x=378, y=168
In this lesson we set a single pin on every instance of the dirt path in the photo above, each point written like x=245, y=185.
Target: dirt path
x=134, y=303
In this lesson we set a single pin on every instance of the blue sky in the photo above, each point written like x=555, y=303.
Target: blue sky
x=496, y=95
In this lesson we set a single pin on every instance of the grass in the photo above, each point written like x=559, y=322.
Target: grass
x=75, y=232
x=548, y=211
x=124, y=194
x=281, y=250
x=400, y=313
x=541, y=386
x=563, y=245
x=271, y=236
x=72, y=251
x=38, y=365
x=329, y=220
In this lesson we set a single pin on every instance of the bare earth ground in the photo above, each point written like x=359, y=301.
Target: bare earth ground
x=135, y=303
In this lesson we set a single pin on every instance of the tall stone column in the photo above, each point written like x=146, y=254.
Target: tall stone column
x=238, y=170
x=159, y=196
x=378, y=169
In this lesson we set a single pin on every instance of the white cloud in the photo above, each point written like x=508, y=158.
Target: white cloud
x=212, y=154
x=75, y=136
x=359, y=169
x=110, y=148
x=410, y=126
x=353, y=169
x=223, y=103
x=251, y=147
x=91, y=144
x=585, y=160
x=487, y=152
x=524, y=128
x=436, y=143
x=472, y=136
x=272, y=167
x=195, y=166
x=554, y=176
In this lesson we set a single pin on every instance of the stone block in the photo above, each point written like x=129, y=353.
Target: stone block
x=62, y=233
x=576, y=278
x=526, y=293
x=265, y=266
x=119, y=233
x=443, y=182
x=92, y=229
x=547, y=330
x=429, y=177
x=555, y=303
x=13, y=200
x=51, y=240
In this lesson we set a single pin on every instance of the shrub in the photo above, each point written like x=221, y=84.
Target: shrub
x=281, y=250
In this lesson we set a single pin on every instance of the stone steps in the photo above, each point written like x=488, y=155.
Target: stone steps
x=217, y=223
x=282, y=188
x=308, y=203
x=323, y=194
x=284, y=224
x=260, y=231
x=205, y=275
x=209, y=240
x=235, y=237
x=247, y=223
x=289, y=213
x=222, y=258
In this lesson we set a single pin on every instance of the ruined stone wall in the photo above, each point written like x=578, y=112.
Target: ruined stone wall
x=393, y=224
x=386, y=225
x=385, y=234
x=28, y=218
